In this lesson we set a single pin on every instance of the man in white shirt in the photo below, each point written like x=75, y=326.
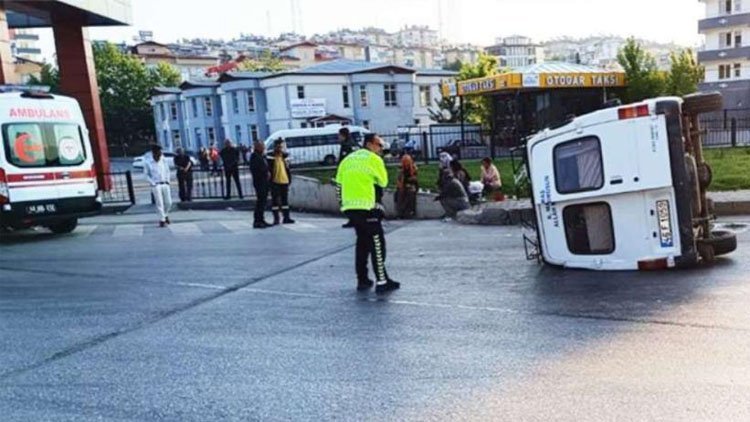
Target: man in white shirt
x=157, y=172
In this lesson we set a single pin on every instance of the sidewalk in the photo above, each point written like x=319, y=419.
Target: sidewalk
x=731, y=202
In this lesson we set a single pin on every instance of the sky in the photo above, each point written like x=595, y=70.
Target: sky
x=464, y=21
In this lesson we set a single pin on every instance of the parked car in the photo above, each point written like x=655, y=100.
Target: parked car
x=169, y=156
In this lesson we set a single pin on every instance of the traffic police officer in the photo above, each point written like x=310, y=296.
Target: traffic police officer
x=361, y=178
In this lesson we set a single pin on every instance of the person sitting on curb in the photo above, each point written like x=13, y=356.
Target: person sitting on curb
x=452, y=196
x=490, y=177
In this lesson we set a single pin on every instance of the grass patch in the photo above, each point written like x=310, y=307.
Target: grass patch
x=731, y=171
x=428, y=174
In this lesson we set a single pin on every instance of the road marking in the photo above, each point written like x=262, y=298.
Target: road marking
x=185, y=229
x=85, y=231
x=128, y=230
x=236, y=226
x=302, y=227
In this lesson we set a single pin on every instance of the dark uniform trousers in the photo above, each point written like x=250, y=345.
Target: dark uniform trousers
x=370, y=243
x=261, y=193
x=232, y=172
x=280, y=200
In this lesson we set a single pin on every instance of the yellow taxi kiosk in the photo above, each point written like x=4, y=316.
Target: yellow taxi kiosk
x=528, y=99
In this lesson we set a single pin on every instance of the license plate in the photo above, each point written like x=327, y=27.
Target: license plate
x=665, y=223
x=41, y=209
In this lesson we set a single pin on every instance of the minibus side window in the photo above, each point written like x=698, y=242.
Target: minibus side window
x=578, y=165
x=588, y=229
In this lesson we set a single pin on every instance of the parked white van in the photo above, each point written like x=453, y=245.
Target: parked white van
x=624, y=188
x=47, y=175
x=314, y=145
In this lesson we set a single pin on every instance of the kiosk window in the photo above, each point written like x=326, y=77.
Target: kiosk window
x=588, y=229
x=578, y=165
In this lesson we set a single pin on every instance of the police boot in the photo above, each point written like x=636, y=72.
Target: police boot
x=287, y=218
x=276, y=217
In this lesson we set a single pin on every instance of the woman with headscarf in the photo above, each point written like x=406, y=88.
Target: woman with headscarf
x=407, y=186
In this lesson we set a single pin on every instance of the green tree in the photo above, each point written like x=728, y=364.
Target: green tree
x=455, y=66
x=685, y=74
x=447, y=110
x=477, y=109
x=265, y=63
x=49, y=76
x=125, y=86
x=643, y=78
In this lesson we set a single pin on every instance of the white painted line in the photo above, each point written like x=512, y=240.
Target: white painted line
x=302, y=227
x=128, y=230
x=235, y=226
x=185, y=229
x=85, y=231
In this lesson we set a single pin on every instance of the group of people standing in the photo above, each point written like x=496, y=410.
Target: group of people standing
x=271, y=174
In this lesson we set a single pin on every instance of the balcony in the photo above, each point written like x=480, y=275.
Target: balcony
x=724, y=54
x=726, y=21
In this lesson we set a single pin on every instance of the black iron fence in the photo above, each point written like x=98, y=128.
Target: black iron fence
x=210, y=184
x=116, y=188
x=726, y=128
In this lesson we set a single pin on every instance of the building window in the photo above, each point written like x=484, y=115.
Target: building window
x=250, y=102
x=194, y=105
x=389, y=91
x=253, y=129
x=238, y=133
x=165, y=138
x=173, y=110
x=366, y=124
x=208, y=106
x=725, y=71
x=176, y=142
x=198, y=137
x=363, y=101
x=588, y=229
x=345, y=95
x=737, y=5
x=211, y=135
x=416, y=122
x=303, y=125
x=578, y=165
x=300, y=92
x=162, y=113
x=738, y=39
x=737, y=70
x=727, y=40
x=424, y=95
x=235, y=103
x=728, y=6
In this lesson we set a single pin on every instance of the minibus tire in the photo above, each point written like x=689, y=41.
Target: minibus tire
x=723, y=242
x=64, y=226
x=329, y=160
x=702, y=102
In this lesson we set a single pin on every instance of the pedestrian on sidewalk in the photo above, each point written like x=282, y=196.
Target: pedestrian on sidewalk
x=261, y=182
x=281, y=178
x=213, y=155
x=362, y=177
x=230, y=157
x=157, y=172
x=203, y=158
x=184, y=175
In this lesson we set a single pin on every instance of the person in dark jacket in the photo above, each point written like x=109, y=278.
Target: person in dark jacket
x=261, y=181
x=230, y=157
x=184, y=175
x=347, y=143
x=281, y=178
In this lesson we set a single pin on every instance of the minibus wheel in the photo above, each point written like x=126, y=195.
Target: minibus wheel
x=702, y=102
x=329, y=160
x=723, y=242
x=64, y=226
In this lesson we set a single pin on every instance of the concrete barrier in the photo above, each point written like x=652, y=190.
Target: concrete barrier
x=309, y=194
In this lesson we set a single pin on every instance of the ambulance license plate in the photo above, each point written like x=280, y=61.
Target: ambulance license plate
x=41, y=209
x=665, y=223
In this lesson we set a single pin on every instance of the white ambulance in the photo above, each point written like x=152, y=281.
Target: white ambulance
x=624, y=188
x=47, y=175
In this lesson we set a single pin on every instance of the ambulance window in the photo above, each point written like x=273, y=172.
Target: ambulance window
x=588, y=229
x=69, y=144
x=578, y=165
x=24, y=145
x=43, y=144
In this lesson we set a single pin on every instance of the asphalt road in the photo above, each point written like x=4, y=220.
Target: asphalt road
x=211, y=320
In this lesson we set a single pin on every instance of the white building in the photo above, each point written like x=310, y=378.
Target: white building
x=516, y=51
x=726, y=55
x=417, y=36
